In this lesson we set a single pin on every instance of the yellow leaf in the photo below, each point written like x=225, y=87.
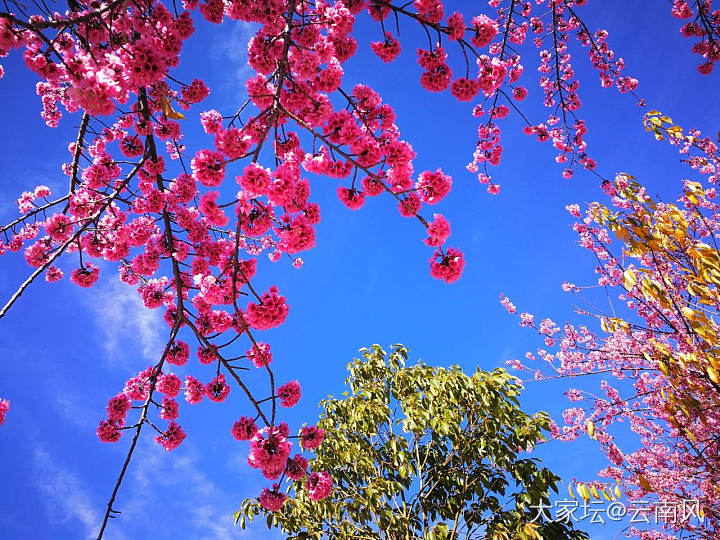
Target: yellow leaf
x=591, y=428
x=530, y=529
x=605, y=494
x=165, y=105
x=594, y=491
x=629, y=279
x=618, y=493
x=174, y=115
x=712, y=374
x=168, y=111
x=570, y=491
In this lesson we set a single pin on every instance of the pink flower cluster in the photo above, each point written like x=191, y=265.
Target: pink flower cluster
x=4, y=408
x=270, y=452
x=703, y=23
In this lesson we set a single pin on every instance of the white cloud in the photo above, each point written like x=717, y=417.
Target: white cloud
x=65, y=497
x=233, y=46
x=123, y=318
x=171, y=488
x=76, y=409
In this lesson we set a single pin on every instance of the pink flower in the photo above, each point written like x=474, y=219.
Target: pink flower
x=168, y=384
x=232, y=142
x=271, y=312
x=260, y=354
x=194, y=390
x=298, y=236
x=311, y=437
x=465, y=89
x=178, y=353
x=568, y=287
x=574, y=210
x=519, y=93
x=438, y=231
x=269, y=454
x=195, y=92
x=4, y=408
x=289, y=393
x=429, y=10
x=170, y=409
x=118, y=407
x=53, y=274
x=255, y=180
x=681, y=9
x=108, y=431
x=132, y=146
x=137, y=387
x=172, y=437
x=37, y=254
x=484, y=31
x=208, y=168
x=507, y=304
x=351, y=198
x=318, y=485
x=211, y=121
x=574, y=395
x=449, y=267
x=153, y=293
x=433, y=186
x=244, y=429
x=372, y=186
x=41, y=191
x=207, y=355
x=296, y=467
x=272, y=500
x=217, y=389
x=456, y=26
x=410, y=205
x=386, y=50
x=85, y=276
x=213, y=213
x=59, y=227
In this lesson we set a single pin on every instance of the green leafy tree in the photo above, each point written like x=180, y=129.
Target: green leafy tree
x=423, y=452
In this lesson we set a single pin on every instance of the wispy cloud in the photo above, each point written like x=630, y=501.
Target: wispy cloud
x=233, y=46
x=76, y=409
x=124, y=319
x=15, y=182
x=197, y=506
x=66, y=498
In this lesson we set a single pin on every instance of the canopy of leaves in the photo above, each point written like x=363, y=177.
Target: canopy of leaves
x=423, y=452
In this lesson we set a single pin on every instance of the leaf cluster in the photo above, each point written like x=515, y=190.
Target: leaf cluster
x=424, y=452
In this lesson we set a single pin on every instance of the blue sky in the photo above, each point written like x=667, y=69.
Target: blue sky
x=66, y=350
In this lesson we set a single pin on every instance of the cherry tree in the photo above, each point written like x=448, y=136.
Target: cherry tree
x=660, y=343
x=186, y=226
